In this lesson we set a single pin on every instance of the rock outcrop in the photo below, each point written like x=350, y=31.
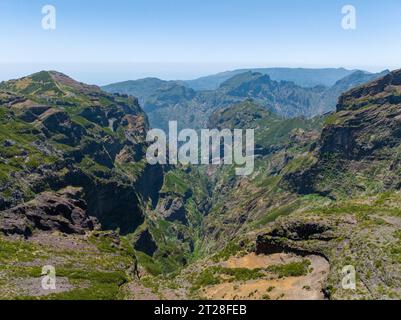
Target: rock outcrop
x=173, y=209
x=145, y=243
x=302, y=236
x=64, y=211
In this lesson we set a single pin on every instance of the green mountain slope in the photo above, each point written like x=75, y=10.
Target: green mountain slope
x=142, y=88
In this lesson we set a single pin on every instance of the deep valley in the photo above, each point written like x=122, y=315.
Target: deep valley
x=77, y=193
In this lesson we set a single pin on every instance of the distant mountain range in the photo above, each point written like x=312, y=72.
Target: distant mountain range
x=300, y=76
x=287, y=92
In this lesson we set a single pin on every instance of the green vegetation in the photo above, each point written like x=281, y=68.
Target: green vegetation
x=293, y=269
x=282, y=211
x=92, y=274
x=97, y=267
x=230, y=250
x=216, y=275
x=103, y=285
x=19, y=251
x=92, y=167
x=241, y=274
x=150, y=265
x=175, y=182
x=207, y=277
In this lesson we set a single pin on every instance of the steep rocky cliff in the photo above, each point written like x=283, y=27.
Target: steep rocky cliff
x=56, y=133
x=359, y=147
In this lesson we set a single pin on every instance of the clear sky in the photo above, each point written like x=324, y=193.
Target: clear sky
x=101, y=41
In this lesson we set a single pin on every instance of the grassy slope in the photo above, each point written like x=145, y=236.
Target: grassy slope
x=93, y=267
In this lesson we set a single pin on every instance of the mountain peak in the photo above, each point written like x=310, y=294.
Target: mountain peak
x=66, y=81
x=48, y=83
x=245, y=77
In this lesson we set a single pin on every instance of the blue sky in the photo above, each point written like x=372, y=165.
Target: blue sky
x=101, y=41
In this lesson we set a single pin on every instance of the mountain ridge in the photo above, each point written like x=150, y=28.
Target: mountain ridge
x=174, y=101
x=303, y=77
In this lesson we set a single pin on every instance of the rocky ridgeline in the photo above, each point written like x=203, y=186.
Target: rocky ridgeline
x=178, y=100
x=363, y=137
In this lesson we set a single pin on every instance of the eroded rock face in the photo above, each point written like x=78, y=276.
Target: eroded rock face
x=64, y=211
x=116, y=206
x=145, y=243
x=297, y=230
x=173, y=209
x=368, y=119
x=290, y=235
x=33, y=111
x=54, y=121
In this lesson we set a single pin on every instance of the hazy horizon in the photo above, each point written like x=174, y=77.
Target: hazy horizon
x=108, y=73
